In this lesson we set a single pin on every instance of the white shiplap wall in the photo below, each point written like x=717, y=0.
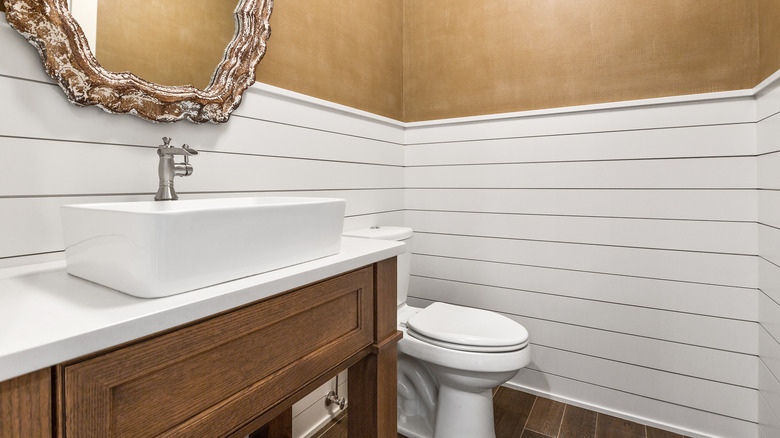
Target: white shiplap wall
x=278, y=143
x=768, y=137
x=623, y=236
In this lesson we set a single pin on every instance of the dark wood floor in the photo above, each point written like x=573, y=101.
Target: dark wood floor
x=521, y=415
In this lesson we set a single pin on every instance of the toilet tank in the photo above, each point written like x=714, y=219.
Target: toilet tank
x=403, y=234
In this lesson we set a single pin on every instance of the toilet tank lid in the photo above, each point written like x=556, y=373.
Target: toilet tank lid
x=381, y=233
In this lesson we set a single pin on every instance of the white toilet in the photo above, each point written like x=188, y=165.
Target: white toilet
x=450, y=359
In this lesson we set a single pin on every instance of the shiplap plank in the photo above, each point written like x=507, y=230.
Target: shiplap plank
x=769, y=275
x=768, y=168
x=710, y=173
x=705, y=331
x=723, y=205
x=700, y=141
x=769, y=316
x=703, y=299
x=730, y=400
x=297, y=140
x=721, y=269
x=770, y=388
x=768, y=134
x=708, y=236
x=588, y=118
x=272, y=103
x=768, y=422
x=42, y=111
x=769, y=207
x=371, y=219
x=32, y=225
x=769, y=243
x=76, y=168
x=769, y=351
x=683, y=419
x=683, y=359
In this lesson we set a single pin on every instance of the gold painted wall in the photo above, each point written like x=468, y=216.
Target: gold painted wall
x=348, y=52
x=769, y=37
x=170, y=42
x=426, y=59
x=465, y=57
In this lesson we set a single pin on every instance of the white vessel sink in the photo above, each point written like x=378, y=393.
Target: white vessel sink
x=156, y=249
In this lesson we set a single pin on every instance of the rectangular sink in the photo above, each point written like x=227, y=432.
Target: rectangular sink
x=156, y=249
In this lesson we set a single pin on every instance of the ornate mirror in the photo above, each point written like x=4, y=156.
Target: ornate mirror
x=67, y=57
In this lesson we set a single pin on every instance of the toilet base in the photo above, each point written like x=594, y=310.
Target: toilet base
x=414, y=428
x=464, y=414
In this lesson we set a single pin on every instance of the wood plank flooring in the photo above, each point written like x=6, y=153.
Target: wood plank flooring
x=521, y=415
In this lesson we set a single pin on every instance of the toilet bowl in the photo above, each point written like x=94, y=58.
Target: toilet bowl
x=450, y=359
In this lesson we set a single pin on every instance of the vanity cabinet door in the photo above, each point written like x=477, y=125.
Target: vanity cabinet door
x=25, y=406
x=211, y=378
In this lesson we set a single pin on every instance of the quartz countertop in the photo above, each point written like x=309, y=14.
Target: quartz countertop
x=48, y=316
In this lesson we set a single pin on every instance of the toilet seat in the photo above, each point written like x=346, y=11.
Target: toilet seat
x=467, y=329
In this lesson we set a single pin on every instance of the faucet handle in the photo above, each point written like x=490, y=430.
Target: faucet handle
x=167, y=150
x=187, y=153
x=188, y=150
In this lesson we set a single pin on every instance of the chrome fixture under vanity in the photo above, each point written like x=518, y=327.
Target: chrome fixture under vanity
x=168, y=168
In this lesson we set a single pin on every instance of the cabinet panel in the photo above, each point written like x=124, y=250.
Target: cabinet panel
x=211, y=378
x=25, y=406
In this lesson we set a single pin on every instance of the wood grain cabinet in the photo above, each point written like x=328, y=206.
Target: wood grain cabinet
x=229, y=374
x=25, y=406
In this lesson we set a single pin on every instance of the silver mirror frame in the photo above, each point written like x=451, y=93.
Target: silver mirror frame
x=49, y=26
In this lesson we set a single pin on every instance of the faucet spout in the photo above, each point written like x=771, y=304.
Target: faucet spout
x=168, y=168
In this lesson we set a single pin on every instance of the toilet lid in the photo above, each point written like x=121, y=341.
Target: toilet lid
x=468, y=329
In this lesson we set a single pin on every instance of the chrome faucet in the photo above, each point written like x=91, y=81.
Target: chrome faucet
x=169, y=168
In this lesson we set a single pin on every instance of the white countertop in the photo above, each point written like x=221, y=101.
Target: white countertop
x=48, y=316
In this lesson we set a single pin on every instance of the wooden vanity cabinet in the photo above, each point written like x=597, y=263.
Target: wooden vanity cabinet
x=25, y=406
x=228, y=375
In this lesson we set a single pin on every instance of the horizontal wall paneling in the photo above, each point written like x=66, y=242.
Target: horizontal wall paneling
x=685, y=297
x=688, y=235
x=684, y=111
x=723, y=205
x=695, y=173
x=677, y=142
x=719, y=333
x=715, y=397
x=707, y=268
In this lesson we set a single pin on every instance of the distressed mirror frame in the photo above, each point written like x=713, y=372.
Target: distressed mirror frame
x=49, y=26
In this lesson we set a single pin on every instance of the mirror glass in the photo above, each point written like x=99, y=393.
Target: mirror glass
x=168, y=42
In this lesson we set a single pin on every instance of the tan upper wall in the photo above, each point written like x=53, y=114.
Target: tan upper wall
x=345, y=52
x=464, y=57
x=467, y=58
x=769, y=37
